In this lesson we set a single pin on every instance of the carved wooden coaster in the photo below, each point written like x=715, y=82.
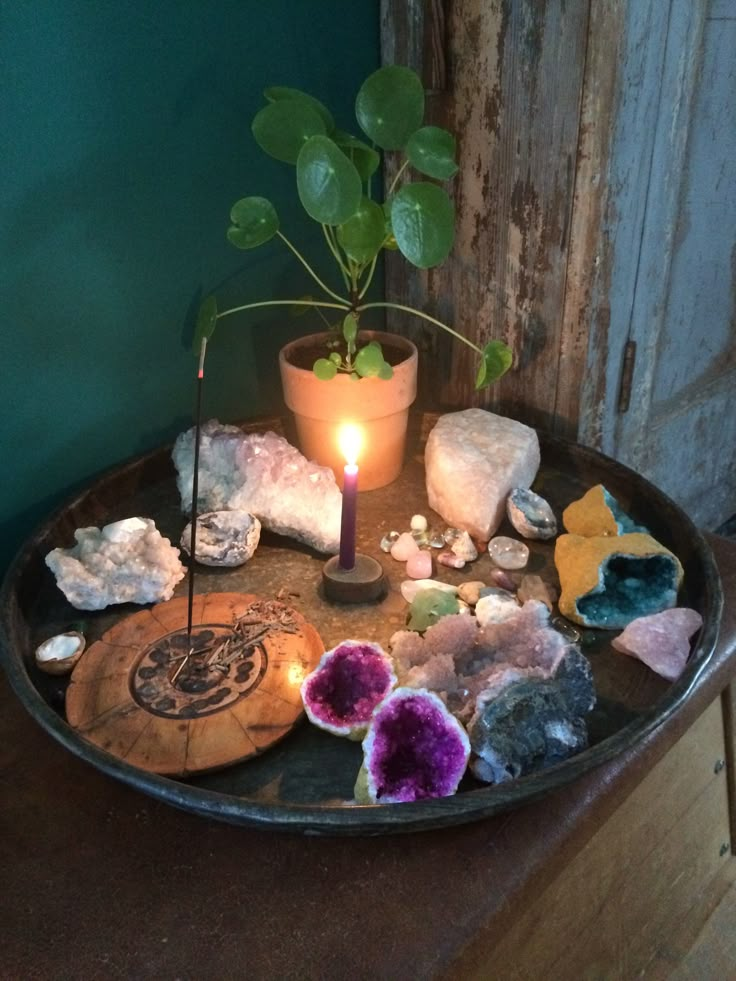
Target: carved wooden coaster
x=147, y=695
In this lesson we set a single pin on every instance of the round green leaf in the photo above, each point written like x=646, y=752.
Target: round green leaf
x=254, y=221
x=335, y=358
x=329, y=185
x=364, y=157
x=431, y=150
x=497, y=359
x=206, y=320
x=390, y=106
x=282, y=128
x=369, y=360
x=362, y=235
x=386, y=371
x=278, y=93
x=423, y=223
x=324, y=369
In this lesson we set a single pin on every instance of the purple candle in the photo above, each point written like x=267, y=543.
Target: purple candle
x=350, y=440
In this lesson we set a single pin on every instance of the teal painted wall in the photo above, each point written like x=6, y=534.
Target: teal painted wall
x=126, y=138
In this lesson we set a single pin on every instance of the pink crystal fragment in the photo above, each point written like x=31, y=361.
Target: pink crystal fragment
x=451, y=560
x=662, y=640
x=419, y=565
x=403, y=547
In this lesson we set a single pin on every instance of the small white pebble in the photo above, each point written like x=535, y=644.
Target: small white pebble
x=418, y=523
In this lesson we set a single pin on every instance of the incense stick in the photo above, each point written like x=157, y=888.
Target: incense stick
x=195, y=491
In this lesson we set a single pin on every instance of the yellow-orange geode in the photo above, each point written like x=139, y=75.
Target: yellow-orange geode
x=582, y=563
x=590, y=515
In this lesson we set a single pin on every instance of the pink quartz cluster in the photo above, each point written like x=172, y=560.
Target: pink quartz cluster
x=459, y=660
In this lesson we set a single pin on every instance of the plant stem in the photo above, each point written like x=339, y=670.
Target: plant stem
x=284, y=303
x=370, y=277
x=332, y=245
x=424, y=316
x=309, y=269
x=395, y=181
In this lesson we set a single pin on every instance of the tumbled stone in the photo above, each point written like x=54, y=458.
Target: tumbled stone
x=388, y=540
x=472, y=460
x=503, y=580
x=534, y=587
x=470, y=591
x=495, y=606
x=410, y=587
x=451, y=535
x=403, y=547
x=662, y=640
x=224, y=538
x=508, y=553
x=420, y=537
x=436, y=538
x=565, y=628
x=419, y=565
x=263, y=474
x=530, y=514
x=464, y=548
x=596, y=513
x=429, y=606
x=418, y=523
x=126, y=562
x=451, y=560
x=608, y=581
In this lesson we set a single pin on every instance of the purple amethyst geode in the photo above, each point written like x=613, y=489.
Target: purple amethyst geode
x=346, y=686
x=415, y=749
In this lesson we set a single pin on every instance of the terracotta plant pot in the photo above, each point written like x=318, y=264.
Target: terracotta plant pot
x=380, y=408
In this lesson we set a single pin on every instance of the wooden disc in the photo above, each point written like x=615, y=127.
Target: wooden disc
x=147, y=695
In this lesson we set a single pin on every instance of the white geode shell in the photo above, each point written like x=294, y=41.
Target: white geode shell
x=224, y=538
x=60, y=653
x=126, y=562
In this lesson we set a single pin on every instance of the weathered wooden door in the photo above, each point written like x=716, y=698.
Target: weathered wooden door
x=665, y=399
x=596, y=149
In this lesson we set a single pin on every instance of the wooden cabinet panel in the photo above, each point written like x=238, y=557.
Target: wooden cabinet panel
x=633, y=900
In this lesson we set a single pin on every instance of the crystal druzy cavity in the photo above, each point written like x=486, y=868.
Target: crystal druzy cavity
x=415, y=749
x=345, y=687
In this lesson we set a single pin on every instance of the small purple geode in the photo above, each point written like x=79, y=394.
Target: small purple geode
x=346, y=686
x=415, y=749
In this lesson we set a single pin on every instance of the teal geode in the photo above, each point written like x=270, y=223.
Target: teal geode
x=598, y=512
x=607, y=581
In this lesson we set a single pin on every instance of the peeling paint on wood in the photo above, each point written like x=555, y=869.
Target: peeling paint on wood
x=516, y=71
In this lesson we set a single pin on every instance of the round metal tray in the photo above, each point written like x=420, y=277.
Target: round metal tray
x=305, y=782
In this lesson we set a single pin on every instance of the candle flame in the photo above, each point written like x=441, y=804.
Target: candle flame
x=350, y=439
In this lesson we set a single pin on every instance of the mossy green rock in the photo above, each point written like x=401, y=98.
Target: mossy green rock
x=607, y=581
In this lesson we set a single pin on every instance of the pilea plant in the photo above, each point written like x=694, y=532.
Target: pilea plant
x=334, y=177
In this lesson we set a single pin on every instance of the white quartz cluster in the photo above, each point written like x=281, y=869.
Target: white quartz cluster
x=126, y=562
x=472, y=460
x=265, y=475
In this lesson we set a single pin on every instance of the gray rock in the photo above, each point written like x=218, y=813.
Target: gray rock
x=126, y=562
x=224, y=538
x=530, y=514
x=263, y=474
x=473, y=459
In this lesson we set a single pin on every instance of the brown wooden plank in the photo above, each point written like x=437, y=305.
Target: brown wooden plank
x=655, y=870
x=516, y=73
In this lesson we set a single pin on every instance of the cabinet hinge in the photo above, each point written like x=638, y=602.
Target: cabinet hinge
x=627, y=376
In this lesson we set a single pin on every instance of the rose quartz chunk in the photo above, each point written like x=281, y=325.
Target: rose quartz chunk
x=419, y=565
x=473, y=459
x=661, y=641
x=403, y=547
